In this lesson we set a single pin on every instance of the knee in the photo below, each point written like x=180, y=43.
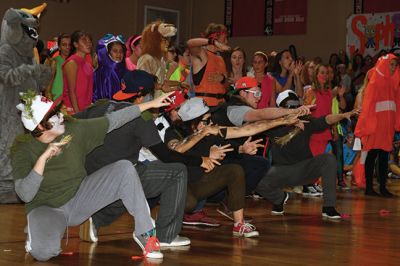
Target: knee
x=44, y=253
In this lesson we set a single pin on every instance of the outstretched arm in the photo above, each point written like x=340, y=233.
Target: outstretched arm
x=258, y=127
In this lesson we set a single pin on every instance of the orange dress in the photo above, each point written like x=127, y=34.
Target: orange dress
x=380, y=116
x=212, y=93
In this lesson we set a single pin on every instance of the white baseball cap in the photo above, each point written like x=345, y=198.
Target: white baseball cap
x=283, y=95
x=193, y=108
x=32, y=114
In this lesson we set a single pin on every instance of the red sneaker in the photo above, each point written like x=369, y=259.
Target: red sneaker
x=245, y=230
x=199, y=218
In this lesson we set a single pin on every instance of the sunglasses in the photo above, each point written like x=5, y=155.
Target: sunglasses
x=206, y=121
x=256, y=94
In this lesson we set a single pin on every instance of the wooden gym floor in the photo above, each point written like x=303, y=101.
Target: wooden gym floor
x=369, y=236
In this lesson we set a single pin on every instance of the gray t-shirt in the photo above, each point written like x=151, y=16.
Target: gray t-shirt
x=236, y=114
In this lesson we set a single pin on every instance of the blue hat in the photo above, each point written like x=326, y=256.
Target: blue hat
x=134, y=83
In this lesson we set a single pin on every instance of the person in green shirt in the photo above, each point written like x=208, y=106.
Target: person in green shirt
x=50, y=176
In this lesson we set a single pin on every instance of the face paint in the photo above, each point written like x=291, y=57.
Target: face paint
x=321, y=79
x=57, y=122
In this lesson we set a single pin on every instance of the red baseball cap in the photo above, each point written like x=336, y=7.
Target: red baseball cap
x=177, y=98
x=245, y=83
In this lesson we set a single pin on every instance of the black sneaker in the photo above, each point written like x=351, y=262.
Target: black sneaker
x=385, y=193
x=278, y=209
x=330, y=213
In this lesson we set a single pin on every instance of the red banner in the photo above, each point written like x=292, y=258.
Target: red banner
x=290, y=17
x=248, y=18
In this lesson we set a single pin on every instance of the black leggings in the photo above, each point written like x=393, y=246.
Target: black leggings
x=382, y=168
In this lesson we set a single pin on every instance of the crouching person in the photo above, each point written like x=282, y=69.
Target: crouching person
x=50, y=177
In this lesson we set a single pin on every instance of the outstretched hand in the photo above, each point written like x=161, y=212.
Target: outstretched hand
x=250, y=147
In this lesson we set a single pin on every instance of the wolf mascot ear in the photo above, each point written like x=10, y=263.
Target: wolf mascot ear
x=18, y=73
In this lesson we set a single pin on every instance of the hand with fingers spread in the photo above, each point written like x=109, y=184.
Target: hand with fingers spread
x=352, y=113
x=304, y=110
x=219, y=152
x=297, y=68
x=250, y=147
x=161, y=101
x=208, y=164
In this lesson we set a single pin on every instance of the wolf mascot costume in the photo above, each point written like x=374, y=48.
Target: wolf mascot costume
x=18, y=73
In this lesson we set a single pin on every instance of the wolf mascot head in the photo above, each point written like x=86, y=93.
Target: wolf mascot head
x=19, y=29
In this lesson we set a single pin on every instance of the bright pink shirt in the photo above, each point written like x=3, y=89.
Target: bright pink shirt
x=84, y=84
x=266, y=90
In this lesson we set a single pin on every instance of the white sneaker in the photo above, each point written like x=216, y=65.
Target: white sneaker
x=310, y=191
x=150, y=246
x=319, y=189
x=88, y=232
x=177, y=242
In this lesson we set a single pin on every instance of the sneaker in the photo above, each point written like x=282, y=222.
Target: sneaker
x=149, y=244
x=224, y=211
x=343, y=186
x=88, y=232
x=385, y=193
x=177, y=242
x=319, y=189
x=349, y=173
x=278, y=209
x=199, y=218
x=330, y=213
x=310, y=191
x=245, y=230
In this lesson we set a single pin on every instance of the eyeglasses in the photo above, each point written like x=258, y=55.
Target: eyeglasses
x=256, y=94
x=206, y=121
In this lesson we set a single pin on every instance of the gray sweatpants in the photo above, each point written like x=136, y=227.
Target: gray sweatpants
x=304, y=172
x=167, y=180
x=119, y=180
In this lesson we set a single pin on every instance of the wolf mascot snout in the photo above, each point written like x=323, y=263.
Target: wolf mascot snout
x=18, y=73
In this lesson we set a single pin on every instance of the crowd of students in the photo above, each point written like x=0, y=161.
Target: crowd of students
x=149, y=121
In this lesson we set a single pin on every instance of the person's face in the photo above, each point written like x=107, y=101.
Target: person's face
x=205, y=120
x=250, y=97
x=65, y=46
x=185, y=59
x=237, y=59
x=171, y=55
x=350, y=140
x=84, y=45
x=137, y=50
x=322, y=75
x=57, y=122
x=223, y=39
x=331, y=74
x=117, y=52
x=173, y=115
x=286, y=60
x=164, y=44
x=393, y=66
x=259, y=64
x=311, y=69
x=342, y=69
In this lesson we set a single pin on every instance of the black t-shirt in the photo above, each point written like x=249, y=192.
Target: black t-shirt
x=202, y=148
x=122, y=143
x=297, y=149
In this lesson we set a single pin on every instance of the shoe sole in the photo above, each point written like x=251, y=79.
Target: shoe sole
x=156, y=255
x=85, y=233
x=252, y=234
x=200, y=223
x=180, y=244
x=336, y=217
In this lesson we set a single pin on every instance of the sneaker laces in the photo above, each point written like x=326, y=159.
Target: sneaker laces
x=152, y=244
x=246, y=227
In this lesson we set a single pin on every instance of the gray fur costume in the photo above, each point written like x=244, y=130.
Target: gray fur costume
x=18, y=73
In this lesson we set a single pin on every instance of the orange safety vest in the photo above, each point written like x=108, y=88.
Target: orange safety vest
x=212, y=93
